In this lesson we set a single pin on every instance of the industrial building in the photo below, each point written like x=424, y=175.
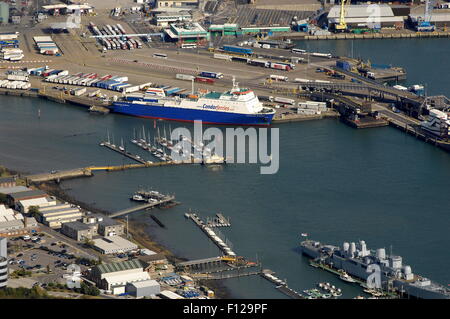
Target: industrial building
x=165, y=18
x=14, y=224
x=6, y=182
x=113, y=245
x=439, y=18
x=189, y=4
x=14, y=198
x=144, y=288
x=13, y=189
x=92, y=225
x=61, y=9
x=152, y=262
x=186, y=32
x=115, y=276
x=41, y=202
x=359, y=16
x=56, y=215
x=78, y=230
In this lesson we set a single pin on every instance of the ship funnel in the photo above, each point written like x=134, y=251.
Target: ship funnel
x=346, y=246
x=352, y=248
x=364, y=252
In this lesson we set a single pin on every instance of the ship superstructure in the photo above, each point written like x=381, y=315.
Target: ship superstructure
x=358, y=261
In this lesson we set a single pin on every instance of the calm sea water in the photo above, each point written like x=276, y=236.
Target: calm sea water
x=335, y=183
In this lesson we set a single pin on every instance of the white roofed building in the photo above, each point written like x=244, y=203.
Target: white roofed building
x=24, y=205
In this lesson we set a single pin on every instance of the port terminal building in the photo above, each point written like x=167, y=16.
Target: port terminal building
x=186, y=33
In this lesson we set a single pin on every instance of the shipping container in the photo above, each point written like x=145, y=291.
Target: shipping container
x=212, y=75
x=344, y=65
x=284, y=100
x=186, y=77
x=280, y=66
x=279, y=78
x=222, y=56
x=235, y=49
x=258, y=62
x=204, y=80
x=322, y=55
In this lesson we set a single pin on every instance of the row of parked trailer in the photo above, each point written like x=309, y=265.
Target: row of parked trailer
x=12, y=54
x=108, y=82
x=15, y=85
x=117, y=37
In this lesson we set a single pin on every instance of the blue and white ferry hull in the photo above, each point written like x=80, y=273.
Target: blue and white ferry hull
x=156, y=111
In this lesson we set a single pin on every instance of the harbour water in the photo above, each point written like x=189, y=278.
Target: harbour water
x=423, y=59
x=334, y=183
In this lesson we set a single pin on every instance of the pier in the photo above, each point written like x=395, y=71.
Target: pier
x=58, y=175
x=141, y=207
x=281, y=285
x=224, y=247
x=115, y=148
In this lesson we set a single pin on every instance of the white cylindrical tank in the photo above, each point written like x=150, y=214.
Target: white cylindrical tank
x=381, y=253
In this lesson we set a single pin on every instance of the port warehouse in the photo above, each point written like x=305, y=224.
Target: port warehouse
x=357, y=16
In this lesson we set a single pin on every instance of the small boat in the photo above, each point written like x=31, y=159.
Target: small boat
x=345, y=277
x=138, y=198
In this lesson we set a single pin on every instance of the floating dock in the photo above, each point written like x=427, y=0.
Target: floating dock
x=211, y=234
x=281, y=285
x=115, y=148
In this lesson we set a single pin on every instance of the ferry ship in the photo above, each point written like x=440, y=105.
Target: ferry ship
x=437, y=123
x=235, y=107
x=355, y=259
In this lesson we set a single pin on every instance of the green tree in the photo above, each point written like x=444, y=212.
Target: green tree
x=34, y=211
x=3, y=198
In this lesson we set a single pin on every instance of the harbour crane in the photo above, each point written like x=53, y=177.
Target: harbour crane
x=342, y=25
x=424, y=25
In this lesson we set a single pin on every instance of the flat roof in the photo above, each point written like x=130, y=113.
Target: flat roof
x=76, y=225
x=360, y=10
x=113, y=244
x=144, y=283
x=28, y=193
x=14, y=189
